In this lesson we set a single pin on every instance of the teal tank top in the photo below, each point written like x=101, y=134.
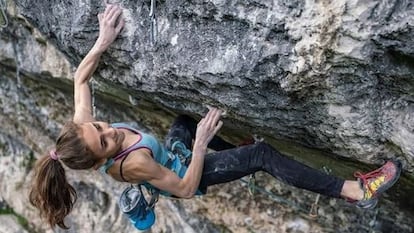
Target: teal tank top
x=159, y=152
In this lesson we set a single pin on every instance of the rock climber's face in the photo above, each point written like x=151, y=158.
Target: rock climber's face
x=102, y=139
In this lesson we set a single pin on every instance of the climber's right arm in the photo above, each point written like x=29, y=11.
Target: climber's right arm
x=108, y=31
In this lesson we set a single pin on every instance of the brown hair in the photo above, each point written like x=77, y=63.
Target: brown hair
x=50, y=191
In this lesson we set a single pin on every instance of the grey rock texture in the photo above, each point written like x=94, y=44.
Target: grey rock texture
x=334, y=75
x=330, y=75
x=10, y=225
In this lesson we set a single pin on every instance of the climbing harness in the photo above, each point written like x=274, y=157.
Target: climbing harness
x=4, y=22
x=178, y=148
x=313, y=212
x=132, y=201
x=179, y=157
x=153, y=20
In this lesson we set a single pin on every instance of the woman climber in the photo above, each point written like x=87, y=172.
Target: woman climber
x=128, y=155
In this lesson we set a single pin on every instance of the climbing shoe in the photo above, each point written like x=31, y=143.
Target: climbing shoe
x=376, y=182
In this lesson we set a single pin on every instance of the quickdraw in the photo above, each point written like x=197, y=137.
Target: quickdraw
x=93, y=98
x=4, y=22
x=313, y=212
x=272, y=196
x=154, y=27
x=251, y=184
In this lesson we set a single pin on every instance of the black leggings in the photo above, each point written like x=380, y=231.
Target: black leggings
x=230, y=163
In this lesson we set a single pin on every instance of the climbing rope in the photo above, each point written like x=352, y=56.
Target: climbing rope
x=252, y=188
x=4, y=22
x=153, y=20
x=273, y=196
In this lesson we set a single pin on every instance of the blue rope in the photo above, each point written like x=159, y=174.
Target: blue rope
x=274, y=196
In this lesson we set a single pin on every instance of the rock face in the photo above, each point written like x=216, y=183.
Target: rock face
x=329, y=75
x=332, y=75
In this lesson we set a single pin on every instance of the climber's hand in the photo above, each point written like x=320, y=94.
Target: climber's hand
x=208, y=126
x=109, y=25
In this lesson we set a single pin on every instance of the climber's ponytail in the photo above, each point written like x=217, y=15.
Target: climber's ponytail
x=51, y=193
